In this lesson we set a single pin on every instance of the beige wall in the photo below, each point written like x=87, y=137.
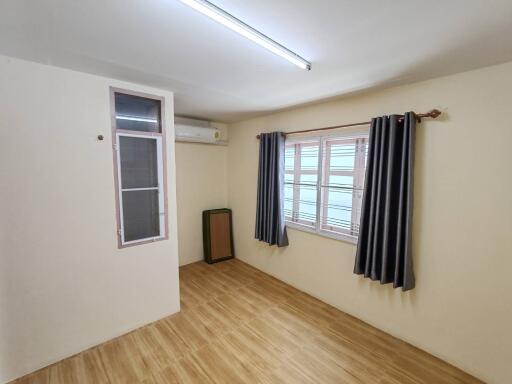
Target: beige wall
x=461, y=309
x=64, y=285
x=201, y=180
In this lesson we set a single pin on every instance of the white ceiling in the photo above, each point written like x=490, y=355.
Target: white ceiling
x=216, y=74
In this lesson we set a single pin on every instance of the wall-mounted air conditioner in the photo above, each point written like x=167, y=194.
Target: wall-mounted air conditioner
x=196, y=131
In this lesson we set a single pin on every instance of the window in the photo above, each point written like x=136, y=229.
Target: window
x=324, y=181
x=139, y=158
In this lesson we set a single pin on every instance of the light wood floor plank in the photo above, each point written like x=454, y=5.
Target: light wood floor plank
x=86, y=368
x=239, y=325
x=40, y=377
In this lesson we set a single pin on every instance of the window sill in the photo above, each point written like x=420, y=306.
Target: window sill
x=331, y=235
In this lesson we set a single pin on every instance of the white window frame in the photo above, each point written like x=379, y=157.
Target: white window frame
x=160, y=139
x=297, y=172
x=322, y=170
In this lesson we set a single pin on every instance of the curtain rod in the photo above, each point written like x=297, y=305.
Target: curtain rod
x=432, y=114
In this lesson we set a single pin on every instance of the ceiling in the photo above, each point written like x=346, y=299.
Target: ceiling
x=217, y=74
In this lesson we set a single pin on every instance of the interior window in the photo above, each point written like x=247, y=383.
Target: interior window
x=138, y=146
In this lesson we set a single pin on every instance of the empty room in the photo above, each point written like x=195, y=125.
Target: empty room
x=242, y=191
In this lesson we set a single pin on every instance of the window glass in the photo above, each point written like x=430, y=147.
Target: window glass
x=342, y=156
x=139, y=164
x=289, y=158
x=288, y=200
x=301, y=182
x=134, y=113
x=337, y=179
x=308, y=195
x=141, y=217
x=307, y=204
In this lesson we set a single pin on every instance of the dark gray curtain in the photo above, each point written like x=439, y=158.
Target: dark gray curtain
x=270, y=226
x=385, y=234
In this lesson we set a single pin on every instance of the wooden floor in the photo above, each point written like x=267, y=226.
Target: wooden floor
x=238, y=325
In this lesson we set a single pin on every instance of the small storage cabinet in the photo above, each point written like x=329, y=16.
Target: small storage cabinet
x=218, y=235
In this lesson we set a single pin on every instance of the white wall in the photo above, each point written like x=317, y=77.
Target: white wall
x=461, y=309
x=201, y=183
x=64, y=285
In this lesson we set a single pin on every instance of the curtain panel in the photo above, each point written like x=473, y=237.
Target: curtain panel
x=270, y=226
x=384, y=250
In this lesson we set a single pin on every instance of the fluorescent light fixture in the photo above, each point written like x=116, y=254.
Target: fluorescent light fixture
x=221, y=16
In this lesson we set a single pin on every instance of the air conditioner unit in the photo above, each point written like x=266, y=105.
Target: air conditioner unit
x=196, y=131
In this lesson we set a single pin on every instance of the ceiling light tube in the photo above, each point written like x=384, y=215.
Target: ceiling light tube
x=231, y=22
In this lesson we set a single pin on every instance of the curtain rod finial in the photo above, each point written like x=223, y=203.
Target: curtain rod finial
x=434, y=113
